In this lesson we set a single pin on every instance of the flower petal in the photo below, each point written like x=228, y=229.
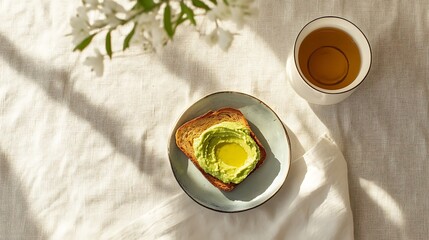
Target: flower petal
x=225, y=39
x=96, y=63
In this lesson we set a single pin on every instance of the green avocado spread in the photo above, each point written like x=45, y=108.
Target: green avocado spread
x=227, y=151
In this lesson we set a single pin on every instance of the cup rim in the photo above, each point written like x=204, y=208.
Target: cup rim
x=339, y=92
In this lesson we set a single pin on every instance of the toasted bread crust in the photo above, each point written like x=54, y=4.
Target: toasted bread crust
x=192, y=129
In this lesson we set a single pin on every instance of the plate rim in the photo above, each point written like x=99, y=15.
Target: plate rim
x=172, y=135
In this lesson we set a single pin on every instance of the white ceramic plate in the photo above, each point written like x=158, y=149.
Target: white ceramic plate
x=259, y=186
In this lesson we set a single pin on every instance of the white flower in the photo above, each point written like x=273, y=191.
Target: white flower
x=212, y=38
x=80, y=28
x=151, y=32
x=237, y=16
x=247, y=7
x=221, y=11
x=221, y=37
x=112, y=20
x=146, y=18
x=82, y=14
x=242, y=3
x=111, y=7
x=100, y=16
x=225, y=39
x=96, y=63
x=92, y=4
x=236, y=11
x=99, y=24
x=159, y=37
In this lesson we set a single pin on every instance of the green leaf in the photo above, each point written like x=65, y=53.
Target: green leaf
x=179, y=21
x=147, y=4
x=180, y=18
x=128, y=38
x=82, y=45
x=109, y=44
x=137, y=6
x=189, y=13
x=167, y=21
x=200, y=4
x=214, y=2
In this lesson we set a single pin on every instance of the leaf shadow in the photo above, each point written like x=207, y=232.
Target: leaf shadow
x=194, y=73
x=57, y=85
x=16, y=221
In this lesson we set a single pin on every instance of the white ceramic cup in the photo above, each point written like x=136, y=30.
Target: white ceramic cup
x=313, y=93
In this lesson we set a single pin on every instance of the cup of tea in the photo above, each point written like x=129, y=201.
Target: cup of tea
x=330, y=59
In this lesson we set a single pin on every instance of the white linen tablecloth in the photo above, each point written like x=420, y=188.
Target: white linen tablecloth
x=83, y=157
x=312, y=204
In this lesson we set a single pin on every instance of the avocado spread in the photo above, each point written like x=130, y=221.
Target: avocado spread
x=227, y=151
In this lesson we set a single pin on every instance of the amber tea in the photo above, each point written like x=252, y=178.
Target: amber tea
x=329, y=58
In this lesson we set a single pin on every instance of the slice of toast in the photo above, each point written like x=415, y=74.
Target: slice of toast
x=192, y=129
